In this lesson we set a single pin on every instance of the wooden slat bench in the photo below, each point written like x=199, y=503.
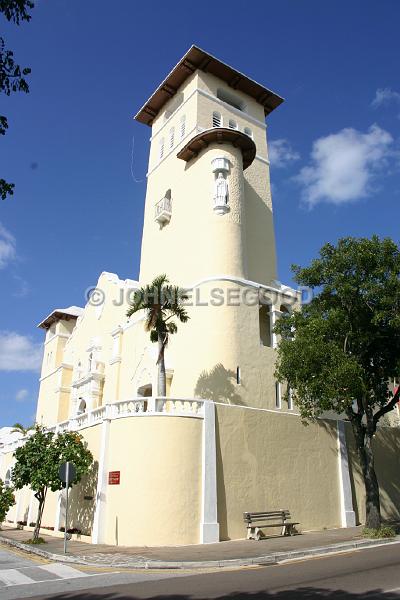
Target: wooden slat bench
x=255, y=521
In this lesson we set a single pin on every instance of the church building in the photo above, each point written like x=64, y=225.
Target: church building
x=225, y=438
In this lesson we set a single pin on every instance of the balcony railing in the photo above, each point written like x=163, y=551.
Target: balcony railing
x=163, y=211
x=134, y=407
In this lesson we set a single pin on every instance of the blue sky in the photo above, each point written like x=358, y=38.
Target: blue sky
x=77, y=209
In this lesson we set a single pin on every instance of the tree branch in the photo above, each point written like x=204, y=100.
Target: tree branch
x=387, y=408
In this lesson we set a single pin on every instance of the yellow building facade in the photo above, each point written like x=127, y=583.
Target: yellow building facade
x=223, y=440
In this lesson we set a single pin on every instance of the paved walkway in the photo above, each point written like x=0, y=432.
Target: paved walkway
x=243, y=551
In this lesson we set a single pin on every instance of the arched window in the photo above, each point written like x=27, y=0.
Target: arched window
x=248, y=132
x=216, y=119
x=182, y=126
x=82, y=406
x=7, y=480
x=265, y=325
x=161, y=150
x=232, y=124
x=171, y=137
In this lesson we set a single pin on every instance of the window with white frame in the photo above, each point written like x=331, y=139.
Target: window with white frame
x=278, y=398
x=216, y=119
x=182, y=126
x=290, y=399
x=161, y=149
x=248, y=132
x=171, y=137
x=232, y=124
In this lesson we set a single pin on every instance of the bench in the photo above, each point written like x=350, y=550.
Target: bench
x=255, y=521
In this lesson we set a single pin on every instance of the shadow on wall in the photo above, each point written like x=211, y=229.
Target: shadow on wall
x=218, y=385
x=386, y=446
x=82, y=501
x=302, y=593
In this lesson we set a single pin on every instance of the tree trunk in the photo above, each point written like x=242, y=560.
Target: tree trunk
x=162, y=383
x=41, y=499
x=366, y=456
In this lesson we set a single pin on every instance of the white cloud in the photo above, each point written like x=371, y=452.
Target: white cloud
x=343, y=165
x=19, y=352
x=385, y=96
x=21, y=395
x=7, y=247
x=281, y=153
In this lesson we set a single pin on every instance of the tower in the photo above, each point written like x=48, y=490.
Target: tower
x=208, y=225
x=207, y=123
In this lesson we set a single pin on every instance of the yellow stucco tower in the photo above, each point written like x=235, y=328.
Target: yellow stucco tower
x=209, y=226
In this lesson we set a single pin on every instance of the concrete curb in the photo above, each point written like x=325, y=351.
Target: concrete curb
x=268, y=559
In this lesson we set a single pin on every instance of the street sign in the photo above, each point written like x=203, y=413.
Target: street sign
x=114, y=478
x=67, y=473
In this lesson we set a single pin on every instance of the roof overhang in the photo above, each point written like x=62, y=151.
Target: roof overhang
x=73, y=312
x=196, y=58
x=220, y=135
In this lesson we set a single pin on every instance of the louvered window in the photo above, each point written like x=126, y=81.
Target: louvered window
x=183, y=126
x=216, y=119
x=232, y=124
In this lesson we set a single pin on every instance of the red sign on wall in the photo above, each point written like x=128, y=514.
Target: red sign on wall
x=114, y=477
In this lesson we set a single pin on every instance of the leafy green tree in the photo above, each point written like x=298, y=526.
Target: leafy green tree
x=12, y=76
x=161, y=302
x=7, y=500
x=38, y=461
x=340, y=351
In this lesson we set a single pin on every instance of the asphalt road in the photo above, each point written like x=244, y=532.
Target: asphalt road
x=370, y=574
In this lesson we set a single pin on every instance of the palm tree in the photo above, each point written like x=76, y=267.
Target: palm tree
x=161, y=302
x=19, y=428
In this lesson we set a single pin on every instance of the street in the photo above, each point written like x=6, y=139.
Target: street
x=360, y=575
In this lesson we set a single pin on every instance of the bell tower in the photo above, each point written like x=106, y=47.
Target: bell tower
x=208, y=204
x=208, y=225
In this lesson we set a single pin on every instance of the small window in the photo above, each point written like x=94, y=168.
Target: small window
x=248, y=132
x=290, y=399
x=183, y=126
x=171, y=137
x=161, y=154
x=278, y=403
x=265, y=325
x=216, y=119
x=232, y=124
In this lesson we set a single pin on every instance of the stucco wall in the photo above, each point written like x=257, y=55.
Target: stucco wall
x=267, y=461
x=386, y=446
x=158, y=499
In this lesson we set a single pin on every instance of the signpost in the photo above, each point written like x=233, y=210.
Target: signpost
x=67, y=473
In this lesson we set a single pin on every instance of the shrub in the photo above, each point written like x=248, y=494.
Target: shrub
x=382, y=532
x=7, y=500
x=38, y=540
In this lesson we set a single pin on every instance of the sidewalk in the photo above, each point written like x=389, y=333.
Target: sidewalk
x=222, y=554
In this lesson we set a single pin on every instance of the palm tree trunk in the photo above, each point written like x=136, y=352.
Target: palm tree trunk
x=162, y=383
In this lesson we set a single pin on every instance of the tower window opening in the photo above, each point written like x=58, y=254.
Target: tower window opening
x=232, y=124
x=171, y=137
x=183, y=126
x=265, y=325
x=216, y=119
x=161, y=152
x=238, y=375
x=278, y=399
x=248, y=132
x=226, y=96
